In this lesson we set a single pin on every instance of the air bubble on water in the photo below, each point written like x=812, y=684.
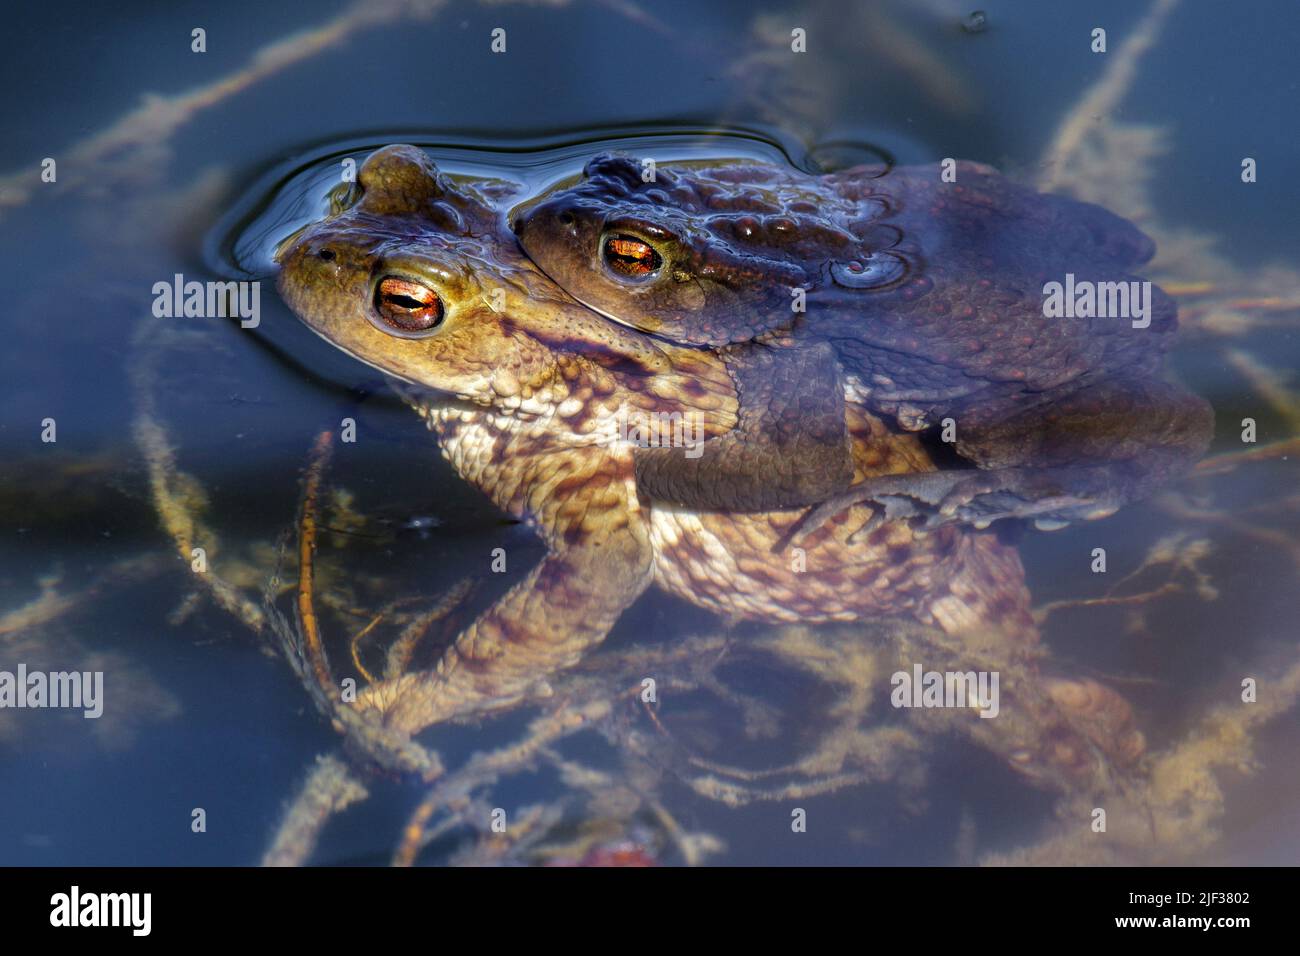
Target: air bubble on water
x=832, y=156
x=869, y=271
x=976, y=21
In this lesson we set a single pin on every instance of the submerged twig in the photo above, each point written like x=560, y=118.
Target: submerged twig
x=1101, y=100
x=176, y=496
x=329, y=788
x=1228, y=461
x=138, y=141
x=302, y=645
x=315, y=651
x=1269, y=384
x=487, y=768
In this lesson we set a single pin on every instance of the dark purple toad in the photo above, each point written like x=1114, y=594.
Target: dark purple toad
x=1005, y=322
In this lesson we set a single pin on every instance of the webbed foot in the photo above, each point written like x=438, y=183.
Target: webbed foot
x=1052, y=498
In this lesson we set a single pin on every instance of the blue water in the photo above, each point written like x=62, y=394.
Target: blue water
x=242, y=410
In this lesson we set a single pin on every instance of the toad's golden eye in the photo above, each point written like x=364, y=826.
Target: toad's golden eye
x=630, y=257
x=407, y=306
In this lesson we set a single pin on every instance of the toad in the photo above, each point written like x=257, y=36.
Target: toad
x=938, y=301
x=544, y=405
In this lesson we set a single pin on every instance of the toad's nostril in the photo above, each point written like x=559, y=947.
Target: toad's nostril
x=567, y=219
x=327, y=254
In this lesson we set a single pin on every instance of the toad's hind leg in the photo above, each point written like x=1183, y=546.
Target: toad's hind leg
x=789, y=449
x=1082, y=456
x=1063, y=733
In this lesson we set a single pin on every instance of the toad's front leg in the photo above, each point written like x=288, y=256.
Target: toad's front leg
x=599, y=563
x=790, y=446
x=1116, y=440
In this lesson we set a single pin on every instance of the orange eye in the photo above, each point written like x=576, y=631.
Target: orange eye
x=631, y=257
x=407, y=306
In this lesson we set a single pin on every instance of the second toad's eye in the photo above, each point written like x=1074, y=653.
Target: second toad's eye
x=630, y=258
x=407, y=306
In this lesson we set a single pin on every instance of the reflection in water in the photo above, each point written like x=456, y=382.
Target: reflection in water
x=788, y=715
